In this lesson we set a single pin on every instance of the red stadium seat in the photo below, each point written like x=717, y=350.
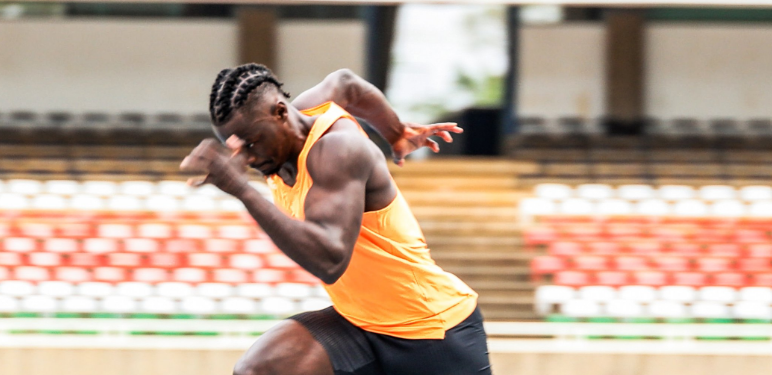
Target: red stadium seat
x=625, y=263
x=72, y=274
x=10, y=259
x=260, y=246
x=711, y=235
x=267, y=275
x=612, y=278
x=754, y=265
x=759, y=250
x=182, y=246
x=141, y=245
x=237, y=232
x=585, y=232
x=75, y=230
x=5, y=274
x=604, y=248
x=750, y=236
x=245, y=261
x=110, y=274
x=218, y=245
x=762, y=279
x=546, y=264
x=19, y=244
x=190, y=275
x=732, y=279
x=100, y=245
x=645, y=248
x=115, y=231
x=571, y=278
x=624, y=231
x=668, y=234
x=150, y=275
x=731, y=250
x=124, y=260
x=685, y=249
x=206, y=260
x=279, y=260
x=563, y=248
x=224, y=275
x=155, y=230
x=590, y=263
x=61, y=245
x=164, y=260
x=44, y=259
x=539, y=235
x=302, y=276
x=713, y=265
x=36, y=230
x=85, y=260
x=650, y=278
x=29, y=273
x=671, y=264
x=194, y=231
x=696, y=279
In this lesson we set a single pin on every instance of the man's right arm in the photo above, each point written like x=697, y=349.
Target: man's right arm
x=362, y=99
x=359, y=97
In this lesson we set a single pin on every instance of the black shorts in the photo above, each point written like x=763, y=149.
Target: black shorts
x=354, y=351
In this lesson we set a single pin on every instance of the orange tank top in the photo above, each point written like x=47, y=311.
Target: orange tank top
x=391, y=286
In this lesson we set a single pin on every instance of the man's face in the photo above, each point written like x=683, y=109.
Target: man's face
x=267, y=138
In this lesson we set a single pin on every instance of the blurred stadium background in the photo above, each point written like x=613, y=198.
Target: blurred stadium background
x=610, y=198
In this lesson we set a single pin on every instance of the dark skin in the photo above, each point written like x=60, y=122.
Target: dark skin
x=350, y=178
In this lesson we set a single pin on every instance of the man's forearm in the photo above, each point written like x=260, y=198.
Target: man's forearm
x=366, y=101
x=305, y=243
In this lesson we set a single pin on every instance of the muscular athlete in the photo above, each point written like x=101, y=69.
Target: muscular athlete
x=340, y=216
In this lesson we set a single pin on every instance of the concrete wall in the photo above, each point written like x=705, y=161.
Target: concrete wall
x=151, y=65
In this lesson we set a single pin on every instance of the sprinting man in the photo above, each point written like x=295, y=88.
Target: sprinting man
x=340, y=216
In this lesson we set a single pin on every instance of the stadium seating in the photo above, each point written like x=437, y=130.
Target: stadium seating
x=137, y=247
x=703, y=253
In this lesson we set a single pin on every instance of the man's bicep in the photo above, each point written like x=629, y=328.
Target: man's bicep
x=331, y=89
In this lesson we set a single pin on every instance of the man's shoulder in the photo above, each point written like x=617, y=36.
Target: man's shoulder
x=341, y=148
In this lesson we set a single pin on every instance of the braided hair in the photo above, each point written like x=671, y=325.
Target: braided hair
x=232, y=87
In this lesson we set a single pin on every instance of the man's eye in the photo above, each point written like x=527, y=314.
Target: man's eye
x=251, y=145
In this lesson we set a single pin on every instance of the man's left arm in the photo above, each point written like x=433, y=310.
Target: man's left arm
x=322, y=244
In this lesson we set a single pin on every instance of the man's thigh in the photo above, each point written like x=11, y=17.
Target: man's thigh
x=286, y=349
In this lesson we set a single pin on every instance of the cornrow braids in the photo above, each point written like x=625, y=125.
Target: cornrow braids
x=232, y=87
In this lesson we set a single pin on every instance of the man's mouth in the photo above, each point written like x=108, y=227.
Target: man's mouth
x=262, y=167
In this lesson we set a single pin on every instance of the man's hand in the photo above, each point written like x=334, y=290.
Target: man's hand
x=227, y=172
x=415, y=136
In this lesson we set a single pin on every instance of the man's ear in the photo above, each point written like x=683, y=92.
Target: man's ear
x=281, y=112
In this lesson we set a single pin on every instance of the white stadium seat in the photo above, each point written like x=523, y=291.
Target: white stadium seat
x=238, y=305
x=79, y=304
x=162, y=203
x=39, y=304
x=199, y=203
x=635, y=192
x=728, y=208
x=713, y=310
x=594, y=191
x=623, y=309
x=134, y=289
x=756, y=193
x=690, y=207
x=16, y=288
x=537, y=206
x=678, y=293
x=255, y=290
x=553, y=191
x=717, y=192
x=214, y=290
x=56, y=289
x=8, y=304
x=173, y=188
x=124, y=203
x=752, y=310
x=638, y=293
x=158, y=305
x=576, y=206
x=760, y=209
x=174, y=290
x=667, y=309
x=549, y=295
x=580, y=308
x=198, y=305
x=722, y=294
x=756, y=294
x=49, y=202
x=675, y=192
x=293, y=290
x=614, y=207
x=277, y=305
x=95, y=289
x=137, y=188
x=100, y=188
x=231, y=205
x=86, y=202
x=24, y=187
x=119, y=304
x=597, y=293
x=62, y=187
x=312, y=304
x=13, y=202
